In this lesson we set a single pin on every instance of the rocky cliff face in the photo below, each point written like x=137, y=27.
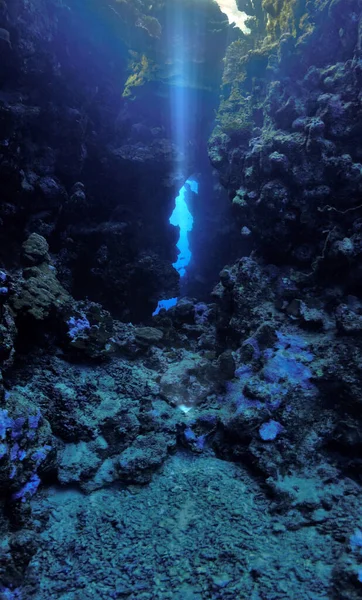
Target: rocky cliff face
x=88, y=153
x=287, y=144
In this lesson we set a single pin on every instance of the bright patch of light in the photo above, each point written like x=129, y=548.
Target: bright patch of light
x=185, y=409
x=182, y=218
x=230, y=9
x=193, y=185
x=165, y=304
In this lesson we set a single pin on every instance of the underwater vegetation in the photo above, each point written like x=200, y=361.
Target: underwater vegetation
x=180, y=300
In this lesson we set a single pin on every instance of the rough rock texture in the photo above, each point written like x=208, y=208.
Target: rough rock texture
x=121, y=422
x=196, y=531
x=287, y=144
x=91, y=162
x=213, y=451
x=38, y=293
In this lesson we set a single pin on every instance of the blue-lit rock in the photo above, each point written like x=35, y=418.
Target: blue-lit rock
x=212, y=450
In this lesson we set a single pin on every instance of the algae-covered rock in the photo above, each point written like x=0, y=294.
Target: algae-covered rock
x=226, y=364
x=78, y=462
x=25, y=446
x=39, y=294
x=148, y=336
x=348, y=320
x=148, y=452
x=8, y=333
x=35, y=250
x=243, y=295
x=189, y=381
x=89, y=330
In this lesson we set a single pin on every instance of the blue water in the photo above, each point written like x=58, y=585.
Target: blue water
x=165, y=304
x=181, y=217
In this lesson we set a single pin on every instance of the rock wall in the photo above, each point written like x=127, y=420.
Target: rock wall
x=87, y=151
x=266, y=377
x=288, y=150
x=288, y=141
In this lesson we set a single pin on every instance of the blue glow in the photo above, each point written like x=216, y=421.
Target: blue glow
x=356, y=541
x=28, y=489
x=284, y=371
x=77, y=325
x=165, y=304
x=181, y=74
x=182, y=218
x=270, y=430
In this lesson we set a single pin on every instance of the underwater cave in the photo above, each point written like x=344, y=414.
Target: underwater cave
x=180, y=299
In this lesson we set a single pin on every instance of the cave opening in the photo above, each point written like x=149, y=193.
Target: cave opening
x=182, y=218
x=205, y=224
x=234, y=15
